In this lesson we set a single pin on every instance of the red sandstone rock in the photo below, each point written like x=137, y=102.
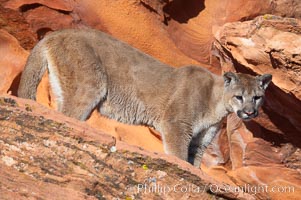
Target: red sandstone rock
x=45, y=15
x=135, y=135
x=269, y=44
x=44, y=19
x=47, y=155
x=31, y=4
x=260, y=149
x=181, y=32
x=286, y=8
x=13, y=58
x=263, y=151
x=191, y=25
x=99, y=15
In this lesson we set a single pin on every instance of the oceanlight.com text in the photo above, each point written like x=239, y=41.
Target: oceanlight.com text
x=214, y=188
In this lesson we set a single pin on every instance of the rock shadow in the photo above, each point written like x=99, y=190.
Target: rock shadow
x=182, y=10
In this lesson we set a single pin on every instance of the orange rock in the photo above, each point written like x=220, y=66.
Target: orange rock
x=265, y=150
x=192, y=25
x=45, y=154
x=99, y=15
x=257, y=164
x=13, y=58
x=31, y=4
x=135, y=135
x=44, y=19
x=262, y=151
x=286, y=8
x=269, y=181
x=44, y=93
x=264, y=46
x=135, y=24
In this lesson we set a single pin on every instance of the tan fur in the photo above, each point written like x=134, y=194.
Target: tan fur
x=88, y=68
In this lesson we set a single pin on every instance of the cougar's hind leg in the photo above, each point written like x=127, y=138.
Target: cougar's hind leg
x=82, y=93
x=80, y=106
x=78, y=76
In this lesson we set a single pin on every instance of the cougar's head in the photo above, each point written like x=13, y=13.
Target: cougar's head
x=244, y=94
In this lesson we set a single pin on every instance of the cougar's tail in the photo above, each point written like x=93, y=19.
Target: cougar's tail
x=32, y=74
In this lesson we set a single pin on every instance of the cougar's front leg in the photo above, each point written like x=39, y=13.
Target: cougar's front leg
x=204, y=140
x=176, y=138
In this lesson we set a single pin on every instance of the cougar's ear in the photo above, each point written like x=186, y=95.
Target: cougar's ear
x=264, y=80
x=229, y=77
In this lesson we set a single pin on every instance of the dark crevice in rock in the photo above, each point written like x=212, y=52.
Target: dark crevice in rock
x=42, y=32
x=181, y=10
x=15, y=24
x=151, y=9
x=27, y=7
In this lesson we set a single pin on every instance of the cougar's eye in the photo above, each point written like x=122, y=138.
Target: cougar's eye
x=238, y=98
x=256, y=98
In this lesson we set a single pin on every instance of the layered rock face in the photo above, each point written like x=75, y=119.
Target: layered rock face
x=250, y=36
x=268, y=146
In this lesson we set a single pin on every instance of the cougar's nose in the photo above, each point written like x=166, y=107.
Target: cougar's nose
x=249, y=111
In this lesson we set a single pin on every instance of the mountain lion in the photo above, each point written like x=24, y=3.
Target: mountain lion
x=89, y=69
